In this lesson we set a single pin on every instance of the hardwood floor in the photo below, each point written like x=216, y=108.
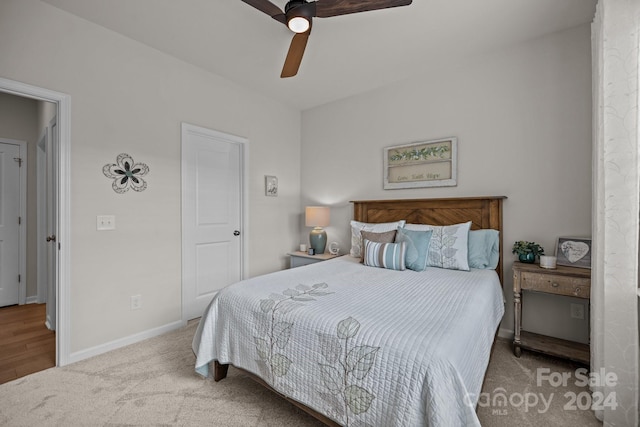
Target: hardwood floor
x=26, y=345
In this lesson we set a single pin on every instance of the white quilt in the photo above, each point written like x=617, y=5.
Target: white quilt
x=365, y=346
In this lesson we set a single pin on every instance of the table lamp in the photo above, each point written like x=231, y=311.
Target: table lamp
x=317, y=217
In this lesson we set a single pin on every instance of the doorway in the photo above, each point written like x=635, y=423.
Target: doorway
x=59, y=233
x=28, y=339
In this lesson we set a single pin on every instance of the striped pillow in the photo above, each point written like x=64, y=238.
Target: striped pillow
x=384, y=237
x=385, y=255
x=356, y=238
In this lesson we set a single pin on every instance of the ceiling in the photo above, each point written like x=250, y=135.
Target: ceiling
x=346, y=55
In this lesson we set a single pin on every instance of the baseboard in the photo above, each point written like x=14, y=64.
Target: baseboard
x=32, y=300
x=122, y=342
x=505, y=333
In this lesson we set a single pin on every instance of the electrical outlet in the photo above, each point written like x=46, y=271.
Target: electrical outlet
x=136, y=302
x=577, y=311
x=105, y=222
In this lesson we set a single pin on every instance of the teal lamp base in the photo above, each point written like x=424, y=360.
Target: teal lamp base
x=318, y=240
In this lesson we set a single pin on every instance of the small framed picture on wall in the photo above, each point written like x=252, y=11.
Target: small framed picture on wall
x=270, y=186
x=574, y=252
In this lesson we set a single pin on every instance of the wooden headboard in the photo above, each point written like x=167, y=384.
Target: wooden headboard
x=483, y=212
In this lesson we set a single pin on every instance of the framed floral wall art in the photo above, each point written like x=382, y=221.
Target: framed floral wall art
x=421, y=164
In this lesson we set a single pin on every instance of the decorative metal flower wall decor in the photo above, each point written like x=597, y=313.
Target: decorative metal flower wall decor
x=126, y=174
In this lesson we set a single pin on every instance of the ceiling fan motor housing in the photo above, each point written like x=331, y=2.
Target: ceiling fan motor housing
x=300, y=8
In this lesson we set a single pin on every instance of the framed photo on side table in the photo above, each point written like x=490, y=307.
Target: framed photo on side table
x=574, y=252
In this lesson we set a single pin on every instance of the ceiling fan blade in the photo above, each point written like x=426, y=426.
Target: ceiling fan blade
x=294, y=56
x=327, y=8
x=269, y=8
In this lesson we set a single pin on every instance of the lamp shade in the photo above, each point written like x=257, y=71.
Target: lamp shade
x=316, y=216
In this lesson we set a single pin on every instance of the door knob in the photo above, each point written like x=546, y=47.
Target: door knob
x=51, y=238
x=236, y=233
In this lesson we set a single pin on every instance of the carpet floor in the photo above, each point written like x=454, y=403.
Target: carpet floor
x=153, y=383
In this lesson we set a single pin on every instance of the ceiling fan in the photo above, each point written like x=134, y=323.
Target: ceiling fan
x=298, y=16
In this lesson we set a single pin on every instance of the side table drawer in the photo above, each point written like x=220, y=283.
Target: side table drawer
x=297, y=261
x=560, y=285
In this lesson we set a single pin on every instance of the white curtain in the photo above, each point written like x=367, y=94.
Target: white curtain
x=616, y=209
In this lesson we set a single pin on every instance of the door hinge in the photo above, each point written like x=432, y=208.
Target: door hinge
x=19, y=160
x=19, y=278
x=19, y=220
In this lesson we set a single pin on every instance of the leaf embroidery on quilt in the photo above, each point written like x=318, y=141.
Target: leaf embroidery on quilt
x=277, y=333
x=343, y=367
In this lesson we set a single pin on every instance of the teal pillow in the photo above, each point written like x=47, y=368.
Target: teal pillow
x=385, y=255
x=484, y=249
x=417, y=243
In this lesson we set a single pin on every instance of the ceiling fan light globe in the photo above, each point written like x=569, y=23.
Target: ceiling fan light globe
x=298, y=24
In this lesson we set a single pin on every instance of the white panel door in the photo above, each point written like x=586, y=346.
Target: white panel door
x=212, y=215
x=9, y=225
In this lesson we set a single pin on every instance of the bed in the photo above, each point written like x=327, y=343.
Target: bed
x=357, y=345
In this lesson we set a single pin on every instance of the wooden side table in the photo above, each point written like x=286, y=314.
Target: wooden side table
x=298, y=258
x=568, y=281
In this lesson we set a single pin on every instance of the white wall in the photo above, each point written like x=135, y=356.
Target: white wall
x=126, y=97
x=523, y=121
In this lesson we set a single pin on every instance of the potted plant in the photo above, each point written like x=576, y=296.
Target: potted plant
x=527, y=251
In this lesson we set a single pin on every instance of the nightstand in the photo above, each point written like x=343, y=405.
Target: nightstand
x=568, y=281
x=298, y=258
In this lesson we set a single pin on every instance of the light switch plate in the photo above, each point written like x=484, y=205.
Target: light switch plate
x=136, y=302
x=106, y=222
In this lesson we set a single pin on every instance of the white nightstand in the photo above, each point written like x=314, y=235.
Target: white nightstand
x=299, y=258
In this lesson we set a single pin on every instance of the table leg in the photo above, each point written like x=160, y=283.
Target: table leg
x=517, y=315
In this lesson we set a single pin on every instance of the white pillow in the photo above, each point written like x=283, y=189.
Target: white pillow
x=357, y=227
x=449, y=245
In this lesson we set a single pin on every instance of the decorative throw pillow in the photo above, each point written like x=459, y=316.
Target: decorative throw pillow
x=384, y=237
x=417, y=247
x=385, y=255
x=449, y=245
x=357, y=227
x=484, y=249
